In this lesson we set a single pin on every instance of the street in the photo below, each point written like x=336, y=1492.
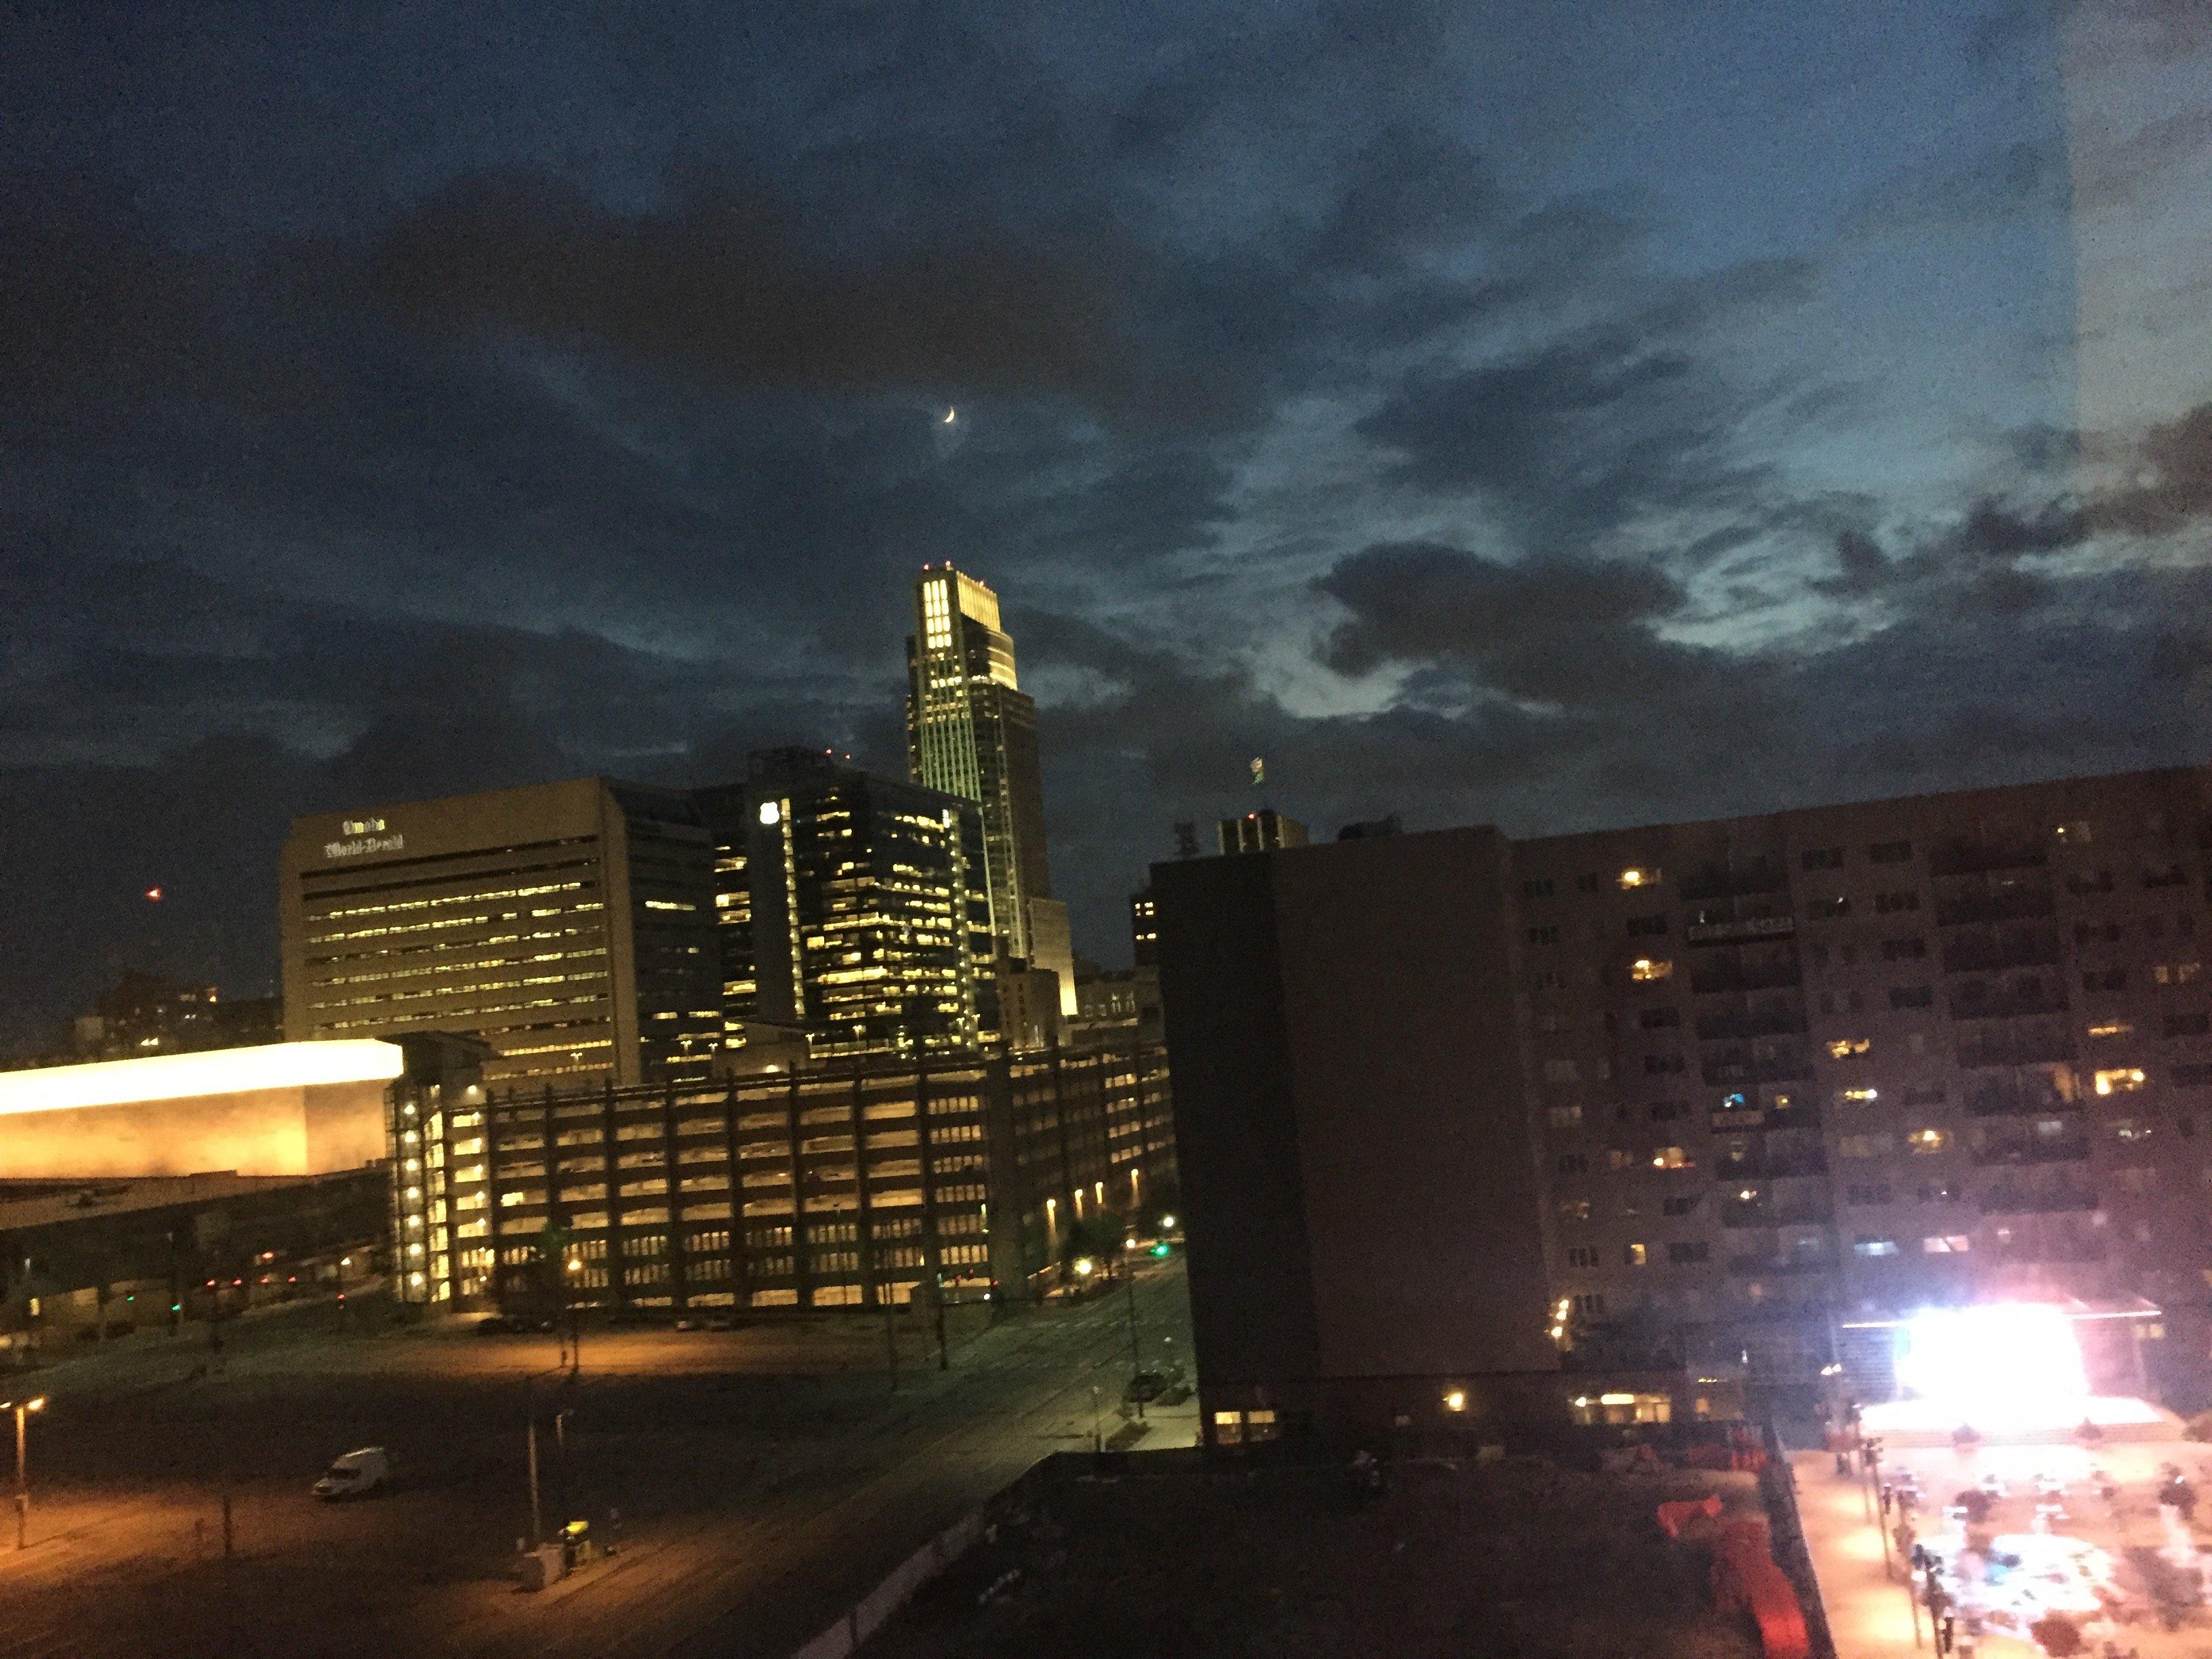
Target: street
x=754, y=1482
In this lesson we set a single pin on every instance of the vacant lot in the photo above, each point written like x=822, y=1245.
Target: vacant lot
x=1497, y=1563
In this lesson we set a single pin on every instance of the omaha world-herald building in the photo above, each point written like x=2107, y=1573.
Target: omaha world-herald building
x=1746, y=1092
x=570, y=926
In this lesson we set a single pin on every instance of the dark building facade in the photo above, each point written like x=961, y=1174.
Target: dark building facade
x=845, y=1185
x=1789, y=1077
x=143, y=1014
x=1360, y=1180
x=853, y=908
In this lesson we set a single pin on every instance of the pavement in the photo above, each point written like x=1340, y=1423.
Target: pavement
x=1870, y=1615
x=755, y=1482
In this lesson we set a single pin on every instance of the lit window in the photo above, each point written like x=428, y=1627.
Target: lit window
x=1637, y=1254
x=2123, y=1081
x=1844, y=1047
x=1633, y=877
x=2112, y=1027
x=1645, y=968
x=1672, y=1158
x=1856, y=1096
x=1947, y=1244
x=1929, y=1140
x=1871, y=1247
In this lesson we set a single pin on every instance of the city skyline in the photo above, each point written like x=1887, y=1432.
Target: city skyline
x=1699, y=410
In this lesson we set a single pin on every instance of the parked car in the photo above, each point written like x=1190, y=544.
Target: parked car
x=355, y=1474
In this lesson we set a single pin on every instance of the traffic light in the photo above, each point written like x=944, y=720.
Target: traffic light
x=1163, y=1248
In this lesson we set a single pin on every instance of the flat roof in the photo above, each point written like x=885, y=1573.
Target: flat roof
x=212, y=1072
x=28, y=1204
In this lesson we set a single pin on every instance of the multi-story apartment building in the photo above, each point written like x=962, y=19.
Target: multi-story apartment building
x=1779, y=1081
x=846, y=1186
x=570, y=926
x=1800, y=1074
x=852, y=908
x=972, y=732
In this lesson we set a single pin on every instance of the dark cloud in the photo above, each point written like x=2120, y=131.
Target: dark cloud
x=94, y=298
x=726, y=285
x=1541, y=627
x=1596, y=426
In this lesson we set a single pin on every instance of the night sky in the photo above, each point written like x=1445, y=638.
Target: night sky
x=1546, y=414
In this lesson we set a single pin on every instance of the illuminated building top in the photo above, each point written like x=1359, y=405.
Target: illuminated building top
x=188, y=1076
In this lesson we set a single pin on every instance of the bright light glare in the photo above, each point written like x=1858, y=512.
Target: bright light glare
x=1986, y=1359
x=216, y=1071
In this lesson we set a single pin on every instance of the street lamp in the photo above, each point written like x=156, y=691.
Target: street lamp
x=22, y=1408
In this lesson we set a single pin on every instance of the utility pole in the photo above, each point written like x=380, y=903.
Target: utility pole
x=537, y=1516
x=891, y=1342
x=23, y=1408
x=937, y=1308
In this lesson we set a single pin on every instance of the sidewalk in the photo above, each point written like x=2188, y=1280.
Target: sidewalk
x=1868, y=1613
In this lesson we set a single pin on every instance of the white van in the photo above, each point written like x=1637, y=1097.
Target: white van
x=356, y=1474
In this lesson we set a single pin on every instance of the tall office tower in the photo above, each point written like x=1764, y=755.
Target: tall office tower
x=972, y=732
x=851, y=908
x=1258, y=832
x=570, y=926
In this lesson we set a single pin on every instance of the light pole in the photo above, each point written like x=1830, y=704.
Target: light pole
x=1129, y=1287
x=576, y=1324
x=23, y=1408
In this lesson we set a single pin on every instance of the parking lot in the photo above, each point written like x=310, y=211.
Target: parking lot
x=752, y=1481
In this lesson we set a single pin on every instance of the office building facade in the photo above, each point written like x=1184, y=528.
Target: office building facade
x=972, y=732
x=859, y=1185
x=569, y=926
x=852, y=908
x=1791, y=1078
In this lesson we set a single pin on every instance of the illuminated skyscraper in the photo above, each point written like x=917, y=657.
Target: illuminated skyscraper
x=851, y=908
x=972, y=732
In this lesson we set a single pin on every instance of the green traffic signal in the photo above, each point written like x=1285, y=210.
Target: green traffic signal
x=1163, y=1248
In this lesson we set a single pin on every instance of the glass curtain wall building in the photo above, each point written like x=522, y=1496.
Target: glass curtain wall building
x=852, y=908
